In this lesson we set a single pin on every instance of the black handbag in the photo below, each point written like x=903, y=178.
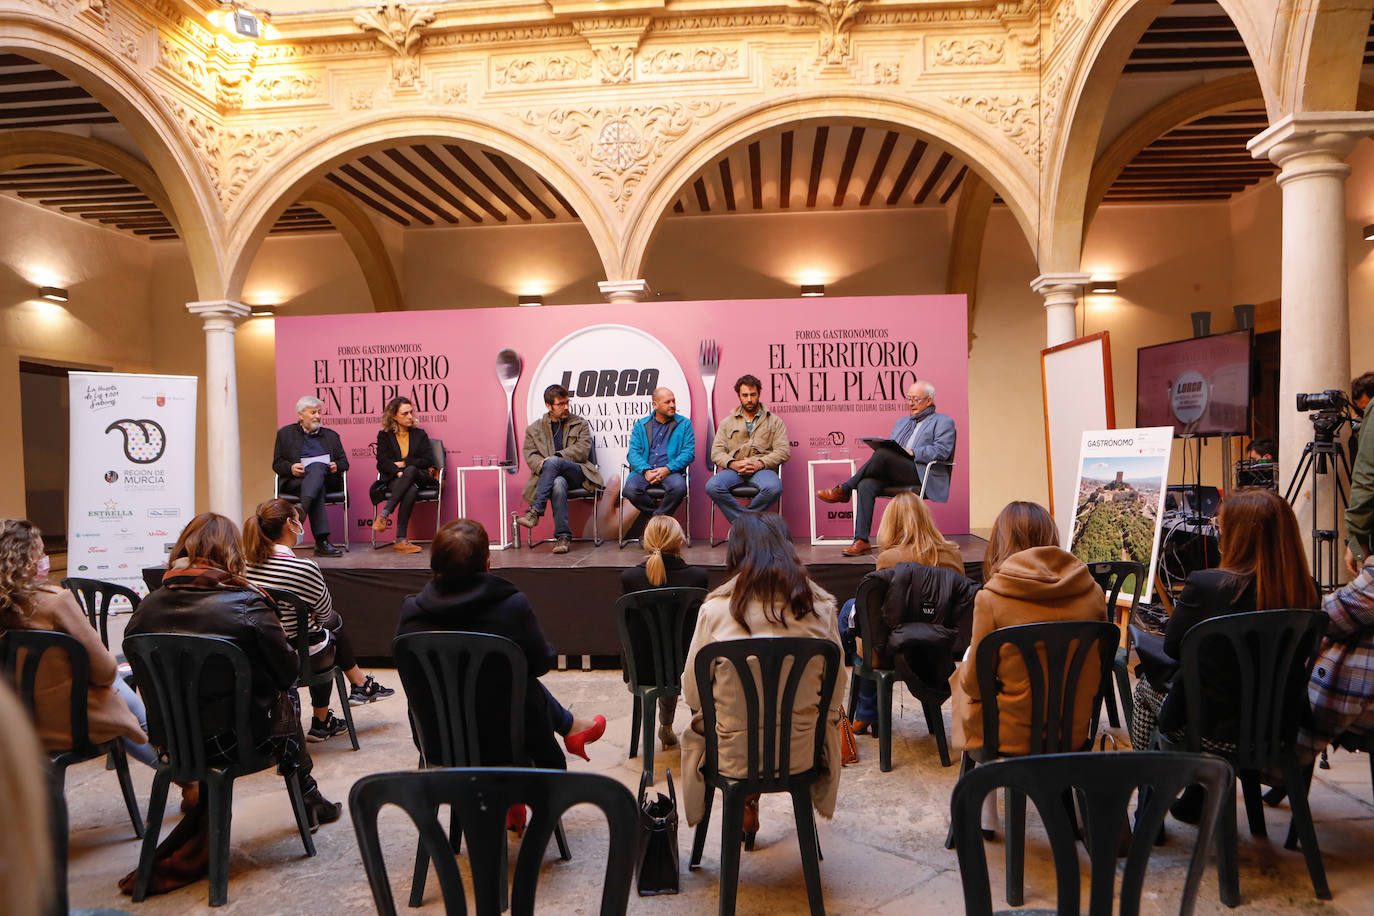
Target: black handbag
x=657, y=854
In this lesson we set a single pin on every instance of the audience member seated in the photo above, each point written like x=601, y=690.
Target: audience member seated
x=663, y=568
x=204, y=593
x=404, y=457
x=28, y=602
x=26, y=866
x=768, y=594
x=268, y=536
x=1342, y=686
x=1027, y=578
x=464, y=596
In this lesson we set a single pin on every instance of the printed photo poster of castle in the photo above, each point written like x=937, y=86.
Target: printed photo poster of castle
x=1119, y=503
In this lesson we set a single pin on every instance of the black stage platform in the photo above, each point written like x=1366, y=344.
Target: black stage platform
x=573, y=594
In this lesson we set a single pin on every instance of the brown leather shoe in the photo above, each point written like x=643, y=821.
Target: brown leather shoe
x=860, y=548
x=832, y=495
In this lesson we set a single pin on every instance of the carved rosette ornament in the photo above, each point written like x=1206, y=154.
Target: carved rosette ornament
x=836, y=19
x=619, y=144
x=401, y=31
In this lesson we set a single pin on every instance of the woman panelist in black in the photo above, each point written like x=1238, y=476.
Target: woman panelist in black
x=404, y=457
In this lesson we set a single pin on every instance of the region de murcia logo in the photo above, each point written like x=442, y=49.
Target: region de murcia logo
x=144, y=440
x=837, y=438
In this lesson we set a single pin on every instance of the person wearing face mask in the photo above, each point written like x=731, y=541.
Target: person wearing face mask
x=309, y=460
x=268, y=536
x=28, y=602
x=404, y=458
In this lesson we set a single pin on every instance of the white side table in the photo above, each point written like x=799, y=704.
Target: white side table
x=502, y=513
x=811, y=465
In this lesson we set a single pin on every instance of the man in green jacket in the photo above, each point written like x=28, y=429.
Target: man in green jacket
x=558, y=449
x=751, y=445
x=1359, y=515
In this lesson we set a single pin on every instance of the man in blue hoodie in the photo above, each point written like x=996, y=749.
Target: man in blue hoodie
x=662, y=446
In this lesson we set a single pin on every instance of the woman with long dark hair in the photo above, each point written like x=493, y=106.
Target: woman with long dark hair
x=768, y=594
x=404, y=457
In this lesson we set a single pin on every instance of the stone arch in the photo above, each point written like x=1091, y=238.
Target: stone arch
x=265, y=200
x=362, y=239
x=1013, y=180
x=24, y=147
x=1322, y=55
x=191, y=203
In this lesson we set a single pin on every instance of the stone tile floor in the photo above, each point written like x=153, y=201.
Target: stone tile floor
x=884, y=850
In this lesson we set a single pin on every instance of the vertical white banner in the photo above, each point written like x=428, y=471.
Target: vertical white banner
x=133, y=472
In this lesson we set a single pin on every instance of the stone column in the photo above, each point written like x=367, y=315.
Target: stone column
x=625, y=290
x=1061, y=298
x=1310, y=149
x=222, y=447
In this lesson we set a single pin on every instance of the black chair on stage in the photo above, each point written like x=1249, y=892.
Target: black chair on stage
x=1057, y=656
x=656, y=493
x=335, y=494
x=656, y=627
x=291, y=603
x=584, y=492
x=1111, y=578
x=22, y=652
x=479, y=799
x=769, y=703
x=1102, y=785
x=453, y=682
x=174, y=671
x=431, y=488
x=744, y=490
x=1272, y=652
x=918, y=489
x=94, y=596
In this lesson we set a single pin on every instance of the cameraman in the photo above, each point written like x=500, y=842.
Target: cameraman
x=1359, y=516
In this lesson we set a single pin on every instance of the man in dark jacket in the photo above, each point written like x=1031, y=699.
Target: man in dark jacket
x=306, y=458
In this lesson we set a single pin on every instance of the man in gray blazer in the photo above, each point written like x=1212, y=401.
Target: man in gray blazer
x=923, y=436
x=558, y=449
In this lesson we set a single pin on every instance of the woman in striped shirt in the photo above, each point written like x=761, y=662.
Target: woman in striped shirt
x=268, y=537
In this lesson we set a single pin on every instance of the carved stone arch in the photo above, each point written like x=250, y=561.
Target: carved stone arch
x=1322, y=54
x=191, y=203
x=19, y=148
x=306, y=162
x=966, y=241
x=362, y=238
x=1014, y=180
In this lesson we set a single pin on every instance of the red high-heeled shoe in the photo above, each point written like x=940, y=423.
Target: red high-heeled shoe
x=577, y=742
x=515, y=820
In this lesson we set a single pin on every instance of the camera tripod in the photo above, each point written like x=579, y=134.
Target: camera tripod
x=1323, y=456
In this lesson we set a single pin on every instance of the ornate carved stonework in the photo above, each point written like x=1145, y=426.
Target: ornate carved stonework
x=887, y=72
x=288, y=87
x=550, y=68
x=127, y=44
x=837, y=19
x=1049, y=100
x=620, y=143
x=784, y=76
x=361, y=99
x=966, y=52
x=729, y=22
x=697, y=60
x=1028, y=45
x=204, y=134
x=456, y=95
x=1017, y=116
x=182, y=64
x=1063, y=21
x=401, y=31
x=616, y=63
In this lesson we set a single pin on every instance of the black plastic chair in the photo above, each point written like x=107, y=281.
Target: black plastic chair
x=656, y=493
x=868, y=602
x=1071, y=649
x=173, y=670
x=584, y=492
x=335, y=494
x=745, y=489
x=479, y=799
x=1273, y=653
x=21, y=654
x=656, y=627
x=94, y=597
x=1111, y=578
x=769, y=704
x=450, y=678
x=918, y=489
x=1102, y=784
x=290, y=602
x=431, y=488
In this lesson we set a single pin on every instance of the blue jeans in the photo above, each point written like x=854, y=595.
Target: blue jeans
x=556, y=476
x=674, y=492
x=143, y=753
x=718, y=488
x=562, y=717
x=866, y=708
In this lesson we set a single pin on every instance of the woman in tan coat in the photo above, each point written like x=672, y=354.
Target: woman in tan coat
x=768, y=594
x=27, y=602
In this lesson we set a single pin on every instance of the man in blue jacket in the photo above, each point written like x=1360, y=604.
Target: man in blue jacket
x=661, y=448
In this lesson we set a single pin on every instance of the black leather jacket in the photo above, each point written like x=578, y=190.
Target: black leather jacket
x=926, y=621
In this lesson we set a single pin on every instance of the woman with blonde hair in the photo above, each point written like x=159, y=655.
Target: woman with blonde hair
x=908, y=534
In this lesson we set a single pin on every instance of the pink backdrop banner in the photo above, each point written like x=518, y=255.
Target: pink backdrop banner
x=834, y=370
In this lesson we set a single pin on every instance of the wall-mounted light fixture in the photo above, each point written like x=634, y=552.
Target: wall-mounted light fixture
x=530, y=300
x=262, y=311
x=1103, y=287
x=1245, y=316
x=1369, y=233
x=52, y=293
x=813, y=289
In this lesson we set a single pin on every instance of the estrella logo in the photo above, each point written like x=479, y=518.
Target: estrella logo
x=144, y=440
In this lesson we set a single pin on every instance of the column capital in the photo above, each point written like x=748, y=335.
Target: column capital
x=1059, y=284
x=625, y=290
x=219, y=311
x=1330, y=135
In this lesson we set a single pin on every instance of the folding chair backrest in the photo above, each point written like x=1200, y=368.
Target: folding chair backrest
x=23, y=652
x=1112, y=577
x=656, y=626
x=94, y=596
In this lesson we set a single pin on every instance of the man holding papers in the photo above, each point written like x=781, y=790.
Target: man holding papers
x=900, y=461
x=305, y=458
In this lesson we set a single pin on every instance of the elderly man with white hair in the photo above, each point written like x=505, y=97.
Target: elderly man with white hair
x=918, y=438
x=306, y=458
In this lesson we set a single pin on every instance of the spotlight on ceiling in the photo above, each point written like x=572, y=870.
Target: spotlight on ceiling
x=1102, y=286
x=246, y=24
x=52, y=293
x=530, y=300
x=813, y=289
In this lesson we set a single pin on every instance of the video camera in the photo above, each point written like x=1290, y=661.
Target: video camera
x=1328, y=410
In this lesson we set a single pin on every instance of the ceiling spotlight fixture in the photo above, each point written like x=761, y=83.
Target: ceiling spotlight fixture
x=1102, y=286
x=530, y=300
x=246, y=24
x=262, y=311
x=813, y=289
x=52, y=293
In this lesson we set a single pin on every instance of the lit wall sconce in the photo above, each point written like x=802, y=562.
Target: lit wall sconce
x=1103, y=287
x=813, y=289
x=530, y=300
x=262, y=311
x=1369, y=233
x=52, y=293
